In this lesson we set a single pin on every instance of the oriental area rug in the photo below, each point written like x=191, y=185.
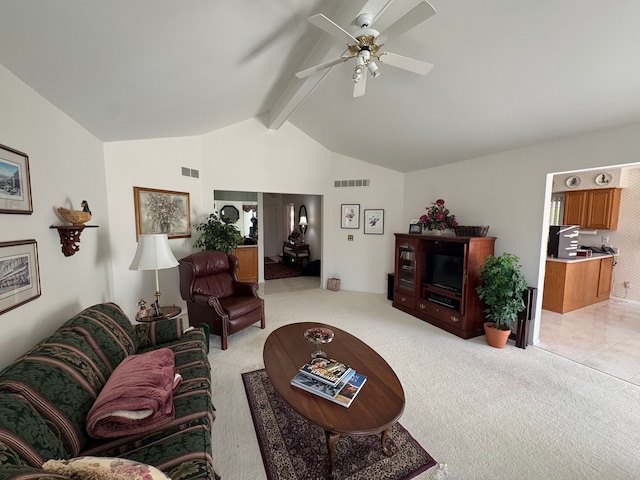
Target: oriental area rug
x=294, y=449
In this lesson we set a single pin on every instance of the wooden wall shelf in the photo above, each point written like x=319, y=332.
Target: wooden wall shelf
x=70, y=237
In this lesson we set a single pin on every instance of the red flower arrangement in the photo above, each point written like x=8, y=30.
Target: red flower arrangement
x=438, y=217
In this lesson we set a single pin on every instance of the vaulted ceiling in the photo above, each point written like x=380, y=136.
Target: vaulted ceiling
x=507, y=73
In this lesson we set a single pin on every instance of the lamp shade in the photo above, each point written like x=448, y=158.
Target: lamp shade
x=153, y=253
x=303, y=220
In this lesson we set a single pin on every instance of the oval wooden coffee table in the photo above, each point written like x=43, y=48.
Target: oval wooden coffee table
x=375, y=410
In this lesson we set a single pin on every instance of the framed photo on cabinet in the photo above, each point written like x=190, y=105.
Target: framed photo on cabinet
x=20, y=282
x=374, y=221
x=15, y=183
x=350, y=215
x=162, y=211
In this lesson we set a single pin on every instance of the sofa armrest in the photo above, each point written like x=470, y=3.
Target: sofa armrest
x=158, y=332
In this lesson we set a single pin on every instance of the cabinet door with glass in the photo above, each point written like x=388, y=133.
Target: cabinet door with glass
x=406, y=253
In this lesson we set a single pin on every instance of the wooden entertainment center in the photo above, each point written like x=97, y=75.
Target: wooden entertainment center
x=436, y=278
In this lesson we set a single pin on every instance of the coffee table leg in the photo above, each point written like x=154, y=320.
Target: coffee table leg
x=388, y=450
x=332, y=438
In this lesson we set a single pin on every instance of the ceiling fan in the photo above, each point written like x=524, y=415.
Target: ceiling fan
x=365, y=44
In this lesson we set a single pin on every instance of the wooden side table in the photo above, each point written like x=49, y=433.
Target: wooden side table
x=168, y=311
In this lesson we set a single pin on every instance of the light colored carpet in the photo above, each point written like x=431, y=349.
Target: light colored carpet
x=485, y=413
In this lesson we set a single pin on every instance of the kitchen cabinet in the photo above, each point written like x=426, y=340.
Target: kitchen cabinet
x=592, y=209
x=570, y=284
x=436, y=278
x=247, y=256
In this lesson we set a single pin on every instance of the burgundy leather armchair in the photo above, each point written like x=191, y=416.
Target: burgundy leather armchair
x=209, y=284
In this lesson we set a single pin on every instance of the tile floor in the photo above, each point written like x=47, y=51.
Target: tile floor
x=604, y=336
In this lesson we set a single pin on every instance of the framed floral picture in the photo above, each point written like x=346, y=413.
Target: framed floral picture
x=350, y=215
x=20, y=282
x=15, y=183
x=374, y=221
x=162, y=211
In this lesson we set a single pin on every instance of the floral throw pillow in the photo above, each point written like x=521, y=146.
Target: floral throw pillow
x=103, y=468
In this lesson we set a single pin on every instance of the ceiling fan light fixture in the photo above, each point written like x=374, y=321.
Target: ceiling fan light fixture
x=373, y=69
x=357, y=74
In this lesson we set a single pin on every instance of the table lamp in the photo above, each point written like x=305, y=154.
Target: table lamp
x=303, y=226
x=153, y=253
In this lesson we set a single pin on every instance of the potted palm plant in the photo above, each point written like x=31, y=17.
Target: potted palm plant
x=218, y=234
x=502, y=286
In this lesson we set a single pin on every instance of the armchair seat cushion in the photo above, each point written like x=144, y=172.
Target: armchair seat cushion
x=237, y=307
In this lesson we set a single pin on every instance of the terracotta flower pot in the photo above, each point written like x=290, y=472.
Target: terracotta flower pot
x=496, y=338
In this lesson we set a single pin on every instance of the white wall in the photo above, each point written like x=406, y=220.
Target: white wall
x=362, y=264
x=66, y=164
x=509, y=191
x=154, y=164
x=248, y=157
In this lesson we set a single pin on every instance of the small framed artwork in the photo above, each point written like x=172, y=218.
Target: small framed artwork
x=20, y=281
x=374, y=221
x=350, y=215
x=15, y=183
x=162, y=211
x=415, y=228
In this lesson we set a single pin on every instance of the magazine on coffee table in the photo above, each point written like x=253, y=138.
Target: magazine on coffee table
x=326, y=370
x=342, y=394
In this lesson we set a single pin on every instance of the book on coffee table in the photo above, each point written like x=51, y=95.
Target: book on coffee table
x=348, y=393
x=329, y=371
x=342, y=394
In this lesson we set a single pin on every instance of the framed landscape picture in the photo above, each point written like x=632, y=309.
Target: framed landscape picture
x=162, y=211
x=20, y=279
x=374, y=221
x=15, y=183
x=350, y=215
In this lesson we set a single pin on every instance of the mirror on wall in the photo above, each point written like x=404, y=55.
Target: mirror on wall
x=302, y=219
x=230, y=212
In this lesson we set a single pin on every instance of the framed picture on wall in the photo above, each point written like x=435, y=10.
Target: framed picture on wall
x=374, y=221
x=15, y=183
x=162, y=211
x=20, y=282
x=350, y=215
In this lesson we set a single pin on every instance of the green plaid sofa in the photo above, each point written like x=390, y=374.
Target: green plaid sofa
x=45, y=396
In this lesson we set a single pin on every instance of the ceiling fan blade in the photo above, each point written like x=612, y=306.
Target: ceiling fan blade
x=332, y=29
x=413, y=17
x=310, y=71
x=405, y=63
x=360, y=87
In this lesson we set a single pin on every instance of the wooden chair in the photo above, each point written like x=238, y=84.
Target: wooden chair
x=209, y=284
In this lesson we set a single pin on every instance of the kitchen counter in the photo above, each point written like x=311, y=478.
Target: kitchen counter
x=572, y=283
x=595, y=256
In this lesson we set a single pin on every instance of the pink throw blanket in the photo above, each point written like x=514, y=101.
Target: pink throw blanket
x=137, y=397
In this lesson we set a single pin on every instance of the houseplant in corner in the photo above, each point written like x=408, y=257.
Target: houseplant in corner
x=218, y=234
x=502, y=287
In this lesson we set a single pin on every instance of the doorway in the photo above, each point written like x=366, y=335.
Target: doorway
x=271, y=227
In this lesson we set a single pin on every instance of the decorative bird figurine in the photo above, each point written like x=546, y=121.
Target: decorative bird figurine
x=75, y=217
x=85, y=207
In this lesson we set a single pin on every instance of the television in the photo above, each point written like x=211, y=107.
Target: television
x=445, y=271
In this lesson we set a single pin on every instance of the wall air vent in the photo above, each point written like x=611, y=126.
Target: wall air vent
x=351, y=183
x=190, y=172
